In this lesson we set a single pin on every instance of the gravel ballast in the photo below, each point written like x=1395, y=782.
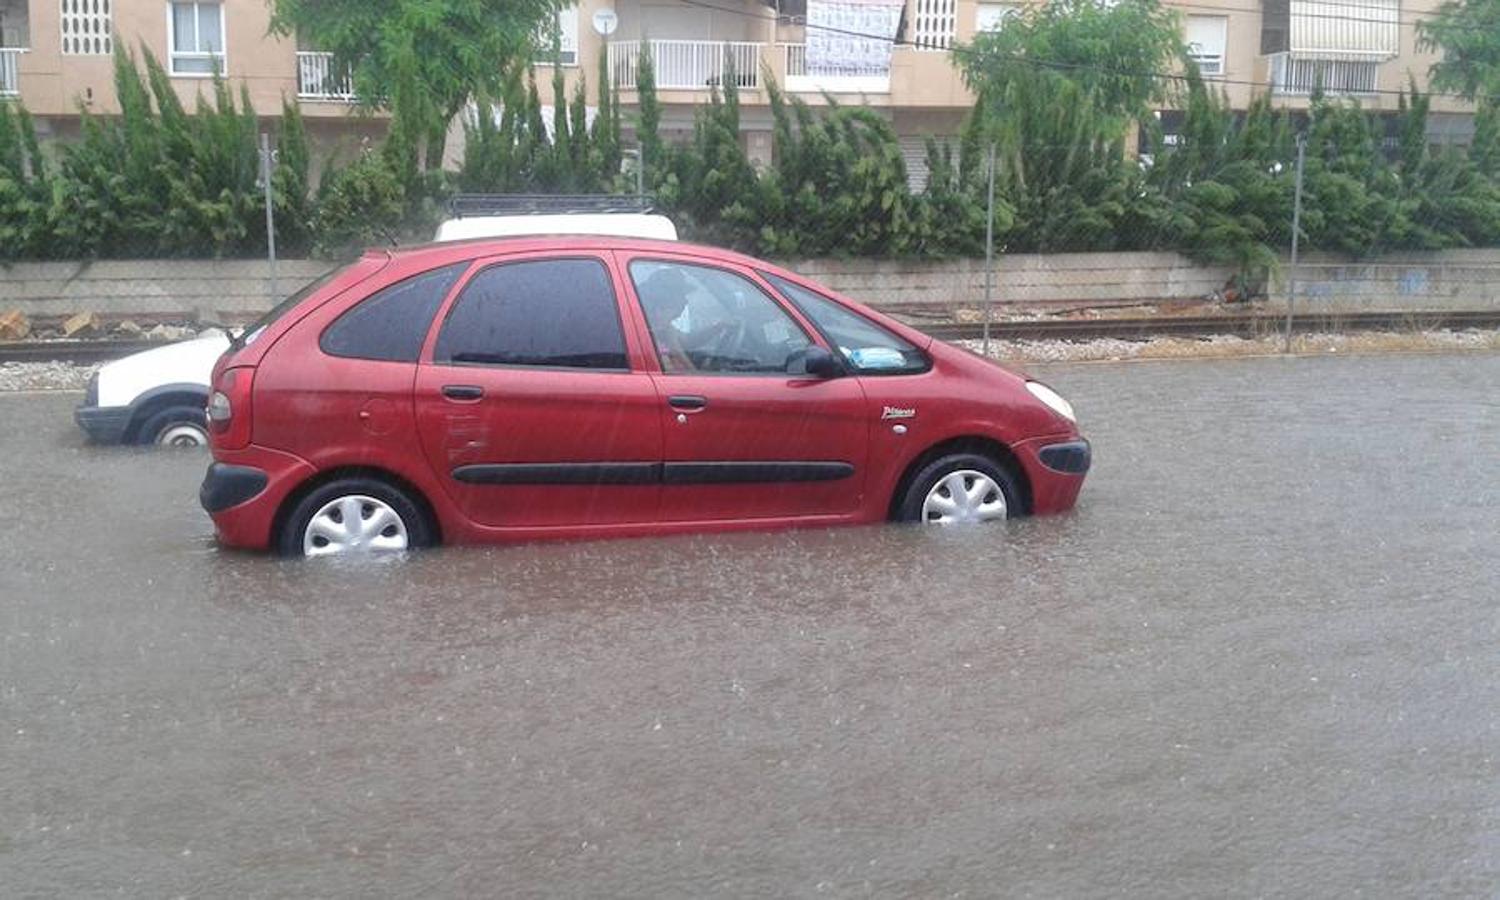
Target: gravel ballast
x=44, y=376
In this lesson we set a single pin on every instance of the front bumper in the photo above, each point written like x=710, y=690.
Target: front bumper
x=1069, y=457
x=1055, y=467
x=103, y=424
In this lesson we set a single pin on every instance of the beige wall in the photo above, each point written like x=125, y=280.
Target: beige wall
x=928, y=80
x=53, y=84
x=234, y=290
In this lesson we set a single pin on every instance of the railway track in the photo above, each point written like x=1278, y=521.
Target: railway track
x=1245, y=325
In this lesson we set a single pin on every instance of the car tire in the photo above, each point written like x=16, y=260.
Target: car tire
x=332, y=503
x=989, y=492
x=178, y=426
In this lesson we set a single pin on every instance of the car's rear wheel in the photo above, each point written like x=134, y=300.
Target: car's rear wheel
x=354, y=516
x=177, y=427
x=962, y=488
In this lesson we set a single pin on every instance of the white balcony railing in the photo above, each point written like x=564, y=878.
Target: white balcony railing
x=687, y=65
x=10, y=63
x=318, y=78
x=800, y=78
x=1300, y=75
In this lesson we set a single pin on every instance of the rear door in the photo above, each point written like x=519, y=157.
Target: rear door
x=530, y=409
x=747, y=434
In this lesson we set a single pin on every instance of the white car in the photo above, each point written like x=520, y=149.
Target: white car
x=157, y=396
x=153, y=397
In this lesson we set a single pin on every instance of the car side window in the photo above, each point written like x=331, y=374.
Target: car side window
x=546, y=312
x=704, y=319
x=867, y=348
x=392, y=323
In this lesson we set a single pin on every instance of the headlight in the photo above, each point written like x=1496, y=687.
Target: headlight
x=1053, y=399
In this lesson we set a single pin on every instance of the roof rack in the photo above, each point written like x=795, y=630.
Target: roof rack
x=468, y=205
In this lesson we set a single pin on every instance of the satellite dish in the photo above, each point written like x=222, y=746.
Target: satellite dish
x=605, y=22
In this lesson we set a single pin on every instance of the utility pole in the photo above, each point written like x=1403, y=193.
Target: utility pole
x=267, y=167
x=1291, y=291
x=989, y=252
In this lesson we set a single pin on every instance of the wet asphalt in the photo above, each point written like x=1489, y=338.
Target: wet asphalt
x=1259, y=659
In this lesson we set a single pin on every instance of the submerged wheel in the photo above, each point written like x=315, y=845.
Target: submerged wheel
x=959, y=489
x=177, y=427
x=354, y=516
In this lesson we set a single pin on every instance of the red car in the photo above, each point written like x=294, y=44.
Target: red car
x=526, y=388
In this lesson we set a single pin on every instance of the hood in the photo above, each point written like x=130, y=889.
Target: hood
x=187, y=363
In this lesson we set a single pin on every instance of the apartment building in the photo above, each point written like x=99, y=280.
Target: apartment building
x=1365, y=49
x=56, y=57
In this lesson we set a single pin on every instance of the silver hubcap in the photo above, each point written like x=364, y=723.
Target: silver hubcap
x=964, y=496
x=354, y=524
x=182, y=434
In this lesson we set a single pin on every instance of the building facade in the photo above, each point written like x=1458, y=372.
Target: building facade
x=55, y=56
x=1362, y=49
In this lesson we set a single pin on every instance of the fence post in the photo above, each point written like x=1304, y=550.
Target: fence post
x=1291, y=286
x=989, y=251
x=267, y=167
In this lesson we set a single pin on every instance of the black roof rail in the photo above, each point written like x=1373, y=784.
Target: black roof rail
x=465, y=205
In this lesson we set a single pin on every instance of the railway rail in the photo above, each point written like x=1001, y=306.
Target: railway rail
x=85, y=352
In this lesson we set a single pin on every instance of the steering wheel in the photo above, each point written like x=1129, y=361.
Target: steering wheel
x=726, y=338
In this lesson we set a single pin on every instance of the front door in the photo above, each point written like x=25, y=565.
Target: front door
x=746, y=434
x=527, y=404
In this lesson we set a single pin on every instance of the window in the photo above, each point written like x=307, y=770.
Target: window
x=552, y=312
x=866, y=347
x=196, y=38
x=992, y=16
x=934, y=23
x=1206, y=37
x=87, y=26
x=392, y=323
x=567, y=29
x=704, y=319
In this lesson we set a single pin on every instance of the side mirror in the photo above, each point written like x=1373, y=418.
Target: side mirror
x=819, y=363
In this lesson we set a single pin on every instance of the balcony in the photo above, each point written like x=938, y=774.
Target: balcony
x=10, y=81
x=319, y=78
x=800, y=78
x=1297, y=75
x=687, y=65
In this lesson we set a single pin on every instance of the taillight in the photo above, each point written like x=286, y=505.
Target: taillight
x=229, y=408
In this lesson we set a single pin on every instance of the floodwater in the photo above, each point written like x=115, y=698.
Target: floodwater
x=1261, y=658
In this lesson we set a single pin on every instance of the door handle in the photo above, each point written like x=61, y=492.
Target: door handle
x=463, y=391
x=687, y=401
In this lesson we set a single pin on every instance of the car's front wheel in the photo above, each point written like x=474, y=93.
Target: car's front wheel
x=354, y=516
x=958, y=489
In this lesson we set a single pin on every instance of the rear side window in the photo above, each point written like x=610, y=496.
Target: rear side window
x=549, y=312
x=868, y=348
x=392, y=323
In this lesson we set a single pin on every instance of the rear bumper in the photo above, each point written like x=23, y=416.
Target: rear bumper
x=243, y=490
x=103, y=424
x=1056, y=468
x=225, y=486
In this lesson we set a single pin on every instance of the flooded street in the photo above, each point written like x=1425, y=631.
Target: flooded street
x=1260, y=658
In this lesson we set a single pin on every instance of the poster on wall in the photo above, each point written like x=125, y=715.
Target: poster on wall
x=851, y=37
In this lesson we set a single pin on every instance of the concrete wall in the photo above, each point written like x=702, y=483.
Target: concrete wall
x=1047, y=279
x=165, y=288
x=234, y=289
